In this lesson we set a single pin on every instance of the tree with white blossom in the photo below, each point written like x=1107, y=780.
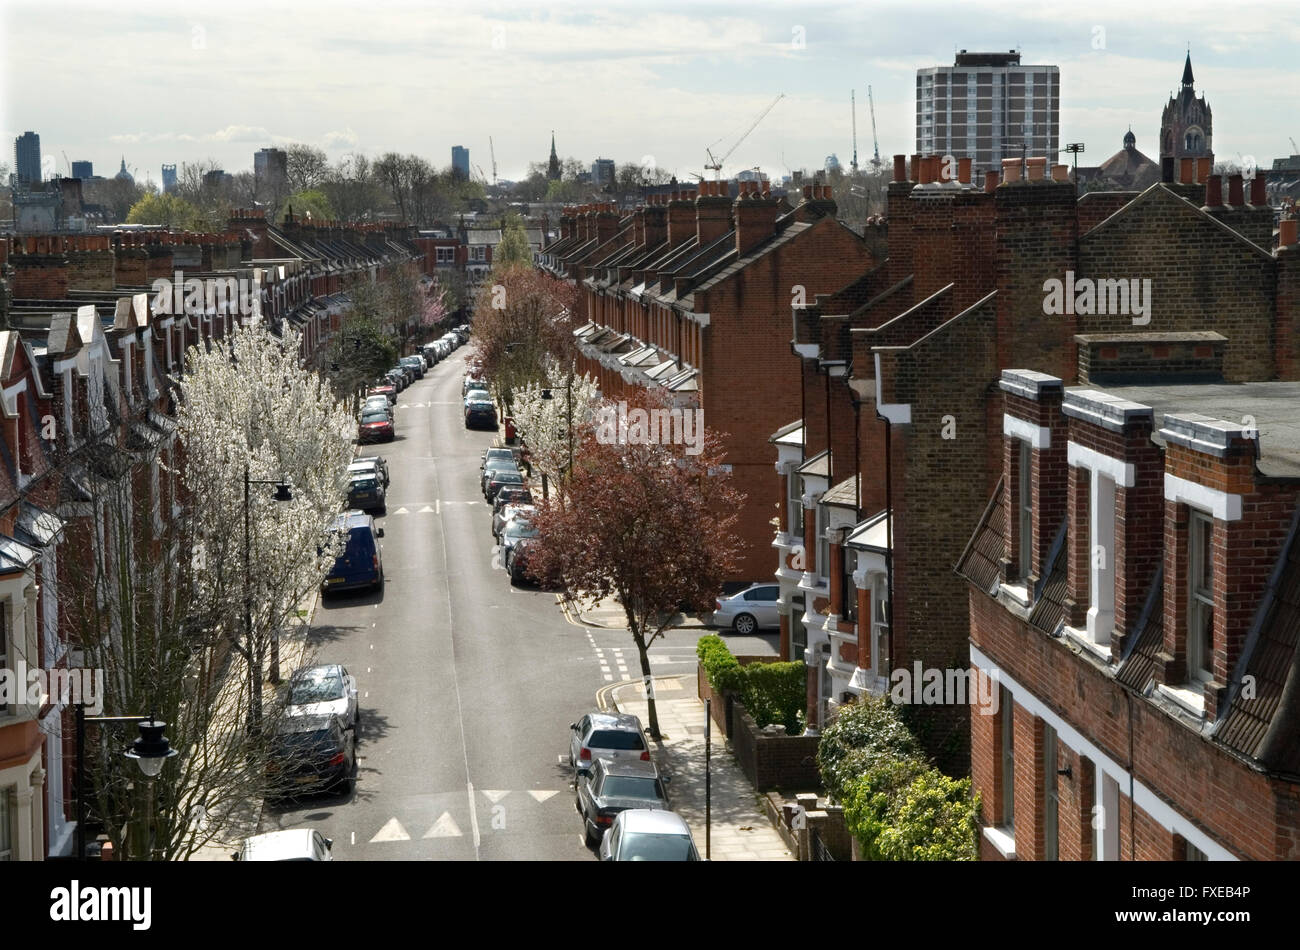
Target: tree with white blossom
x=549, y=416
x=246, y=404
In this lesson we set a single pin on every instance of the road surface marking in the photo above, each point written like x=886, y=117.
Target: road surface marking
x=401, y=511
x=354, y=837
x=437, y=507
x=444, y=827
x=423, y=510
x=393, y=831
x=540, y=795
x=494, y=795
x=473, y=814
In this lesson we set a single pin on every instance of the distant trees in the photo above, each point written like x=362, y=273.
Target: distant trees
x=170, y=211
x=514, y=247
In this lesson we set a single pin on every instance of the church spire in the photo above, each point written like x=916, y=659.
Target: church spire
x=553, y=167
x=1187, y=70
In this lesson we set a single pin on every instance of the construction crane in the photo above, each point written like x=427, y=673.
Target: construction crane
x=875, y=143
x=493, y=151
x=481, y=177
x=716, y=163
x=1295, y=148
x=69, y=164
x=853, y=102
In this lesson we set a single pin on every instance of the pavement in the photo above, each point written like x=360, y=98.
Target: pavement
x=739, y=829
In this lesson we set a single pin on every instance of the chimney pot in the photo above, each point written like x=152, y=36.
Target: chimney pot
x=1258, y=191
x=963, y=170
x=914, y=173
x=1037, y=168
x=1236, y=196
x=1214, y=191
x=1287, y=233
x=1010, y=169
x=807, y=192
x=900, y=168
x=1060, y=173
x=990, y=181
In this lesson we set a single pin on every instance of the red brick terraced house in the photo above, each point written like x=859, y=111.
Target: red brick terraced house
x=891, y=448
x=88, y=352
x=690, y=294
x=1134, y=590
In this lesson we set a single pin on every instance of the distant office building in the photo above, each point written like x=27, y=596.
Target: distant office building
x=27, y=157
x=83, y=170
x=602, y=172
x=460, y=161
x=169, y=178
x=270, y=167
x=987, y=106
x=752, y=174
x=216, y=178
x=832, y=163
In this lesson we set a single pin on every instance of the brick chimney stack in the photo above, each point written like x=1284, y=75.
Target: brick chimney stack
x=606, y=222
x=681, y=217
x=656, y=222
x=1236, y=193
x=756, y=213
x=712, y=211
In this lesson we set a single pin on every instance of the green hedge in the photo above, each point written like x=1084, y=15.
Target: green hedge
x=862, y=734
x=773, y=693
x=905, y=810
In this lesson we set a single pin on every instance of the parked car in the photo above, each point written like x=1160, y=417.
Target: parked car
x=648, y=834
x=386, y=389
x=366, y=492
x=754, y=607
x=324, y=690
x=502, y=514
x=376, y=426
x=510, y=495
x=493, y=465
x=516, y=529
x=310, y=754
x=497, y=453
x=480, y=414
x=478, y=393
x=378, y=401
x=416, y=365
x=473, y=382
x=606, y=735
x=612, y=787
x=360, y=564
x=500, y=478
x=520, y=564
x=408, y=374
x=292, y=844
x=370, y=463
x=396, y=379
x=430, y=353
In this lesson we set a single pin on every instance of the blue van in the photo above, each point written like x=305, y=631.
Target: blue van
x=360, y=564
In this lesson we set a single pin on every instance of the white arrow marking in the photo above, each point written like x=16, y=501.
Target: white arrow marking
x=494, y=795
x=393, y=831
x=542, y=796
x=444, y=827
x=401, y=511
x=423, y=510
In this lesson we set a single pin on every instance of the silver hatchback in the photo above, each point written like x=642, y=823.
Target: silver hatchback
x=602, y=735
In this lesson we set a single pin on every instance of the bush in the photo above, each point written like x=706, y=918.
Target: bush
x=904, y=810
x=773, y=693
x=862, y=734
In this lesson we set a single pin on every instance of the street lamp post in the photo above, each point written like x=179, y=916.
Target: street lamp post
x=149, y=752
x=282, y=493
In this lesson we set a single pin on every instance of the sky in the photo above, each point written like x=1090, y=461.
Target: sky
x=654, y=83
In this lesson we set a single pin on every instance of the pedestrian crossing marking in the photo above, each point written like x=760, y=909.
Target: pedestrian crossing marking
x=494, y=795
x=541, y=795
x=444, y=827
x=393, y=831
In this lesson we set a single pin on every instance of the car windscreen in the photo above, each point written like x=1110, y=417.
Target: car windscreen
x=630, y=786
x=317, y=686
x=508, y=478
x=369, y=483
x=374, y=417
x=360, y=543
x=616, y=739
x=294, y=744
x=646, y=847
x=520, y=529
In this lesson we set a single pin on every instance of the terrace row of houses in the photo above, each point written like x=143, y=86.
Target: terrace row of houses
x=1039, y=436
x=89, y=351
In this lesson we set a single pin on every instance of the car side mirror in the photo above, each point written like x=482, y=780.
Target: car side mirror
x=379, y=532
x=666, y=779
x=234, y=855
x=573, y=726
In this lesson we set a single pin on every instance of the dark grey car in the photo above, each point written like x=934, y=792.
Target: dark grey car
x=615, y=786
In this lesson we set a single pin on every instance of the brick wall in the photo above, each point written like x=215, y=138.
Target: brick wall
x=773, y=761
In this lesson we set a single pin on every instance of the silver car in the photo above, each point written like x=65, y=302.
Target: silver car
x=294, y=844
x=641, y=834
x=602, y=735
x=758, y=606
x=614, y=787
x=324, y=690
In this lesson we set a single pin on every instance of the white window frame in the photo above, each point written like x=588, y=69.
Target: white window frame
x=794, y=505
x=849, y=557
x=879, y=625
x=1200, y=599
x=5, y=708
x=823, y=546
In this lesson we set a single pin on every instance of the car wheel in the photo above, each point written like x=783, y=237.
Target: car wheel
x=589, y=835
x=744, y=624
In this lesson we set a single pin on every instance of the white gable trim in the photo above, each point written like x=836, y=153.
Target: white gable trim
x=1080, y=456
x=1222, y=505
x=1039, y=437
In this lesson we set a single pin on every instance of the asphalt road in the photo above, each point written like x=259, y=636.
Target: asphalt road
x=467, y=684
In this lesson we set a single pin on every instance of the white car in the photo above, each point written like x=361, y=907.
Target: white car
x=326, y=690
x=502, y=519
x=758, y=606
x=648, y=834
x=295, y=844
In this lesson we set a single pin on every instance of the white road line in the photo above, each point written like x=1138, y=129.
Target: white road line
x=437, y=506
x=354, y=837
x=473, y=815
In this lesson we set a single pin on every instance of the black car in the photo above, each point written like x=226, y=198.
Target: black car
x=511, y=495
x=413, y=363
x=500, y=479
x=311, y=754
x=480, y=414
x=492, y=466
x=366, y=493
x=614, y=786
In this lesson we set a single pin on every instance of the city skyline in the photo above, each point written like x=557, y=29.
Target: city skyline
x=697, y=76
